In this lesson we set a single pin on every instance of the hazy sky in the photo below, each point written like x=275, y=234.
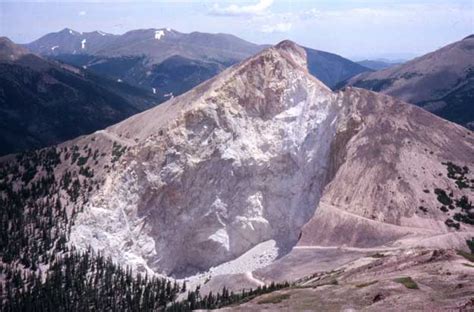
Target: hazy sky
x=353, y=28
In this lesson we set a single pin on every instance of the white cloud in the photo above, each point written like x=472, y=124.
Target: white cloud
x=233, y=10
x=310, y=14
x=400, y=12
x=279, y=27
x=82, y=13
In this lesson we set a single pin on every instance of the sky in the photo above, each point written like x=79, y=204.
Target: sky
x=357, y=29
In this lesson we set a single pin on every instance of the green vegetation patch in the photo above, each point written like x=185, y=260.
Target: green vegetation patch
x=366, y=284
x=464, y=203
x=408, y=282
x=443, y=197
x=82, y=160
x=466, y=215
x=458, y=174
x=464, y=218
x=470, y=244
x=450, y=223
x=466, y=255
x=424, y=209
x=455, y=171
x=274, y=299
x=117, y=151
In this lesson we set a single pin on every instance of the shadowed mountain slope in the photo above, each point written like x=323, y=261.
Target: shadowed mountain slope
x=44, y=103
x=442, y=82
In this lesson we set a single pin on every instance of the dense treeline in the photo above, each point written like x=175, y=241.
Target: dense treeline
x=221, y=299
x=39, y=271
x=81, y=281
x=38, y=203
x=32, y=219
x=85, y=282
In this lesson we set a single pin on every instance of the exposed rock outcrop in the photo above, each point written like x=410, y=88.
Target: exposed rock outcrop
x=241, y=160
x=265, y=151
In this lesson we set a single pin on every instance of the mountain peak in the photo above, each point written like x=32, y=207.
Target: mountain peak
x=9, y=50
x=5, y=40
x=287, y=44
x=293, y=51
x=469, y=37
x=69, y=31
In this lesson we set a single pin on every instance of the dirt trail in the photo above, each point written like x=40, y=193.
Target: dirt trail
x=116, y=138
x=253, y=279
x=348, y=248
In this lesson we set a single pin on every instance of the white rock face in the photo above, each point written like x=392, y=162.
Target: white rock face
x=211, y=177
x=236, y=162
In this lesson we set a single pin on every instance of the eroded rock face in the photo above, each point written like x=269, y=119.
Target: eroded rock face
x=259, y=152
x=244, y=162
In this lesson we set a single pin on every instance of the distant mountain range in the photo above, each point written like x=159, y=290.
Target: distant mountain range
x=379, y=64
x=442, y=81
x=95, y=79
x=83, y=82
x=156, y=44
x=144, y=57
x=44, y=102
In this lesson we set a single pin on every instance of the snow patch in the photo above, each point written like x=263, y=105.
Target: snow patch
x=101, y=33
x=119, y=80
x=83, y=44
x=54, y=48
x=154, y=90
x=159, y=34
